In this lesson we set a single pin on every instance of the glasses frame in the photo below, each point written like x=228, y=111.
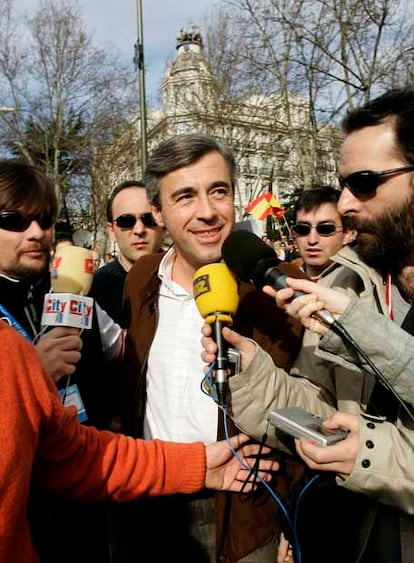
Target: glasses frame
x=24, y=220
x=375, y=179
x=147, y=219
x=317, y=227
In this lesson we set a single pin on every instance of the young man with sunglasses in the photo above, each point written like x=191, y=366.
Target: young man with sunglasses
x=361, y=508
x=28, y=210
x=318, y=229
x=131, y=225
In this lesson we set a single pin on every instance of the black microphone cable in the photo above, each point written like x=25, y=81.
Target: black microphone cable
x=341, y=331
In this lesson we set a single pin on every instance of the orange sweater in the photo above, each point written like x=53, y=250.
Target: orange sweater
x=38, y=434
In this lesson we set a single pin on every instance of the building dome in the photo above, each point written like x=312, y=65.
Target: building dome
x=190, y=57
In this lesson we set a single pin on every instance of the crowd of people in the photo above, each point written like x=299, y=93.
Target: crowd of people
x=149, y=474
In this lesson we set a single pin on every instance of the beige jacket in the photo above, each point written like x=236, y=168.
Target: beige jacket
x=384, y=472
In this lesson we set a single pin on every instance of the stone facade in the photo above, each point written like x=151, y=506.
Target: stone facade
x=275, y=146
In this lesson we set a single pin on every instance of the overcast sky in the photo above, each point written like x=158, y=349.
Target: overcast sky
x=114, y=22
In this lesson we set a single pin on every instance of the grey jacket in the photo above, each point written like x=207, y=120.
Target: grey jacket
x=388, y=346
x=323, y=382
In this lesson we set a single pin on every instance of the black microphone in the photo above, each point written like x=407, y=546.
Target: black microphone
x=253, y=261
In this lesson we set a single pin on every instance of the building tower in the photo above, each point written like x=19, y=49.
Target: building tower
x=187, y=87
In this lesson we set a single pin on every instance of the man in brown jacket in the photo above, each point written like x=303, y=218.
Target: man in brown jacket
x=190, y=183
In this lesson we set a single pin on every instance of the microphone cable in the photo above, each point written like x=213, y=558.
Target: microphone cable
x=341, y=331
x=208, y=388
x=253, y=471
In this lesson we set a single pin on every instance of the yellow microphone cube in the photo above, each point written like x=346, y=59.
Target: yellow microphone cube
x=216, y=293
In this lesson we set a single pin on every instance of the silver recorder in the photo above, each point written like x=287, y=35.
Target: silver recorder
x=233, y=358
x=302, y=424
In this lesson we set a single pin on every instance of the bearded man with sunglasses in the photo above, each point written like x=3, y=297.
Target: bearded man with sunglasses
x=131, y=225
x=28, y=209
x=361, y=509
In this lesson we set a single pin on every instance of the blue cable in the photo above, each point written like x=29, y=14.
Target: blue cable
x=271, y=492
x=208, y=388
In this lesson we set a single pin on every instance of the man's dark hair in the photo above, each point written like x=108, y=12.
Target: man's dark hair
x=25, y=188
x=396, y=106
x=179, y=151
x=117, y=189
x=314, y=198
x=63, y=231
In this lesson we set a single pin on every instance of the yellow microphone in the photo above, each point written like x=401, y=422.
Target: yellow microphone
x=216, y=296
x=71, y=275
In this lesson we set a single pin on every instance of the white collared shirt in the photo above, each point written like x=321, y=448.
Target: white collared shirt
x=177, y=409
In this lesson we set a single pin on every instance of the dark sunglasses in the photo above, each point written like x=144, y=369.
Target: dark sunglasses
x=19, y=222
x=128, y=220
x=323, y=229
x=365, y=182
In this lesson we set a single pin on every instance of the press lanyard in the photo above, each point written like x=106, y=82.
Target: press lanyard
x=8, y=317
x=388, y=296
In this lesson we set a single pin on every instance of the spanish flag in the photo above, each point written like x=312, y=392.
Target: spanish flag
x=265, y=205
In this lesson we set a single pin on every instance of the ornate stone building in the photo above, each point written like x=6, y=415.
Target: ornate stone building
x=275, y=147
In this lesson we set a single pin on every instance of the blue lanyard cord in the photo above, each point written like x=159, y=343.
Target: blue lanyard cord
x=302, y=492
x=8, y=317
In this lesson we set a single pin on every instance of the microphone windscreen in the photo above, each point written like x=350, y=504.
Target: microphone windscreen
x=248, y=256
x=72, y=270
x=215, y=291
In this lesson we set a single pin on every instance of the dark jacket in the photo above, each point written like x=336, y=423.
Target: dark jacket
x=24, y=302
x=108, y=289
x=242, y=525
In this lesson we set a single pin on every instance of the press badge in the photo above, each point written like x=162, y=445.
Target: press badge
x=72, y=398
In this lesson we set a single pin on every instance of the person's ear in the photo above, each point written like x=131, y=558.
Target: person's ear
x=157, y=214
x=110, y=230
x=349, y=236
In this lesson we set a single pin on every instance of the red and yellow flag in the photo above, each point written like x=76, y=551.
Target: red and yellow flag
x=265, y=205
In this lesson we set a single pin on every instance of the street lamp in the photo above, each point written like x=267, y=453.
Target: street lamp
x=139, y=65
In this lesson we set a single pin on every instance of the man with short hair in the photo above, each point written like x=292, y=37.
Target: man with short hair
x=190, y=182
x=366, y=514
x=318, y=229
x=131, y=225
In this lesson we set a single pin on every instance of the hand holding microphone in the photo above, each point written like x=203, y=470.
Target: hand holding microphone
x=67, y=310
x=252, y=260
x=59, y=350
x=217, y=299
x=315, y=298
